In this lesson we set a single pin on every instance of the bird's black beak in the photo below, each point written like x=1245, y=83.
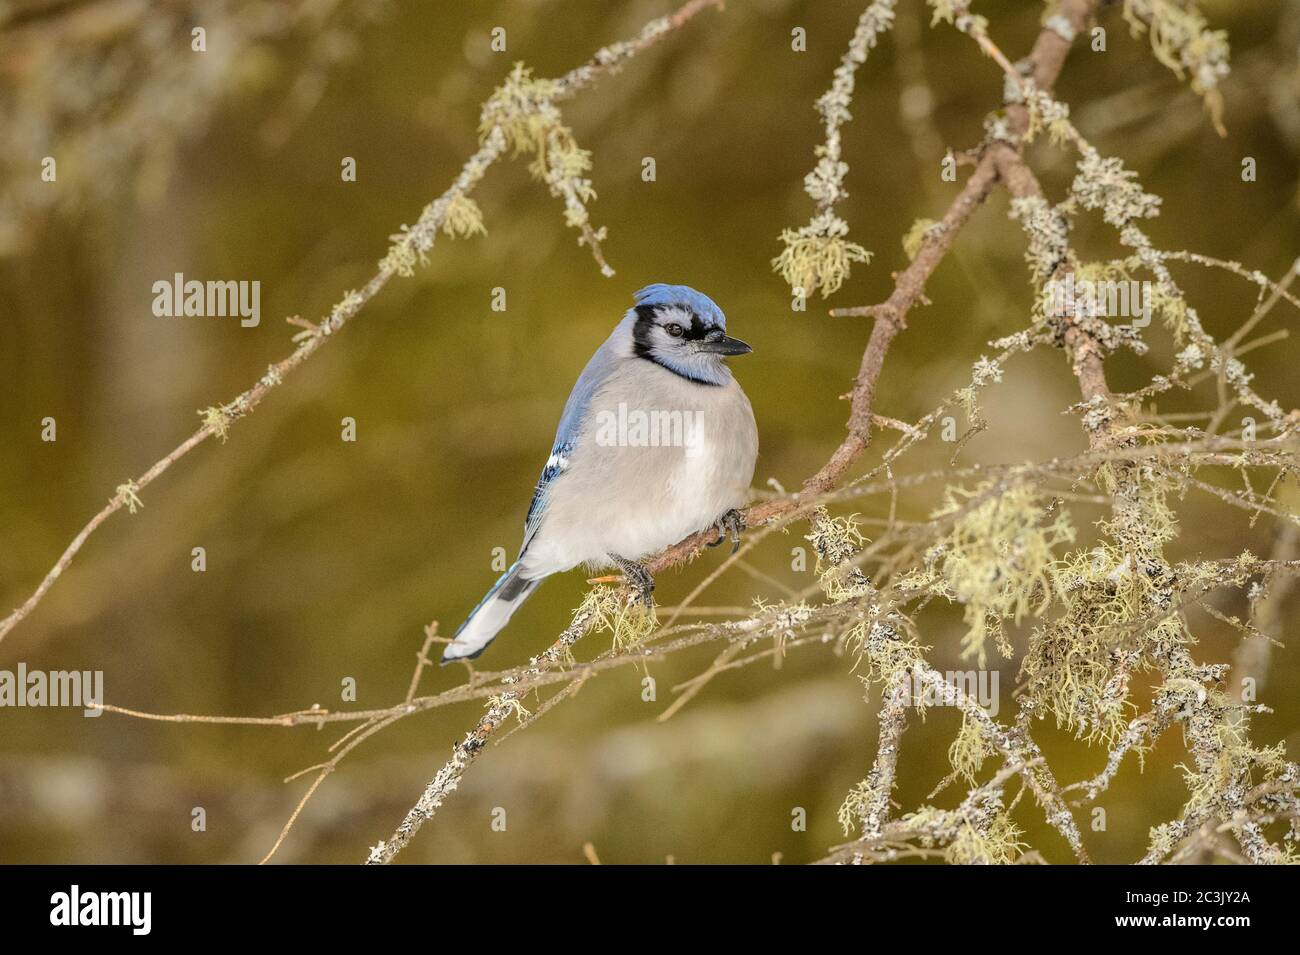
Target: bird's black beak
x=723, y=346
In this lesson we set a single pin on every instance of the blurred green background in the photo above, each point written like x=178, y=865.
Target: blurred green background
x=326, y=559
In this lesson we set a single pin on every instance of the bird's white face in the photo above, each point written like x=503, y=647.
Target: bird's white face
x=682, y=341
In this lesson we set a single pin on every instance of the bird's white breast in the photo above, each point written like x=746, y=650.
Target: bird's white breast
x=657, y=458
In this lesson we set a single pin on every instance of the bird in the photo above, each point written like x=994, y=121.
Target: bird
x=657, y=441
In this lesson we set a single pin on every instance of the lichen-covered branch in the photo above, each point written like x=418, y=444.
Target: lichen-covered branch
x=819, y=256
x=499, y=709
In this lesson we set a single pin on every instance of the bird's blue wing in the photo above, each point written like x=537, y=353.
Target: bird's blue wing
x=593, y=376
x=555, y=466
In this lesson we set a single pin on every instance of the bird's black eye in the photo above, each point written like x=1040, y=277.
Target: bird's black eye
x=675, y=330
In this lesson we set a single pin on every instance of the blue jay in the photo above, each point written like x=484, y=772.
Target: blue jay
x=657, y=441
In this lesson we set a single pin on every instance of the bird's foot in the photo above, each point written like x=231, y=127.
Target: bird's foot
x=639, y=578
x=730, y=524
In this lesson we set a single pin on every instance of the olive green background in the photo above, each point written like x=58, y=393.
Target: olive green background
x=326, y=559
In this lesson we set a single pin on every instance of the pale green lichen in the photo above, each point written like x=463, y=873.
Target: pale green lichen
x=889, y=652
x=836, y=540
x=457, y=215
x=510, y=704
x=129, y=494
x=1045, y=113
x=957, y=12
x=818, y=256
x=1171, y=306
x=998, y=560
x=619, y=613
x=969, y=750
x=1117, y=613
x=980, y=834
x=916, y=236
x=217, y=420
x=856, y=805
x=1182, y=40
x=997, y=842
x=523, y=110
x=463, y=218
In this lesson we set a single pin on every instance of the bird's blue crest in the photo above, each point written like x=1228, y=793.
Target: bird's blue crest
x=697, y=302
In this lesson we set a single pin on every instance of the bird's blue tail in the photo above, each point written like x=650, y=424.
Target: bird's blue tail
x=490, y=616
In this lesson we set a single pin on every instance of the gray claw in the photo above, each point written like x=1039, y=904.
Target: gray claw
x=640, y=579
x=730, y=524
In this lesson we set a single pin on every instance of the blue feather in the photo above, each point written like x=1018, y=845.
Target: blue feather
x=697, y=302
x=555, y=466
x=598, y=369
